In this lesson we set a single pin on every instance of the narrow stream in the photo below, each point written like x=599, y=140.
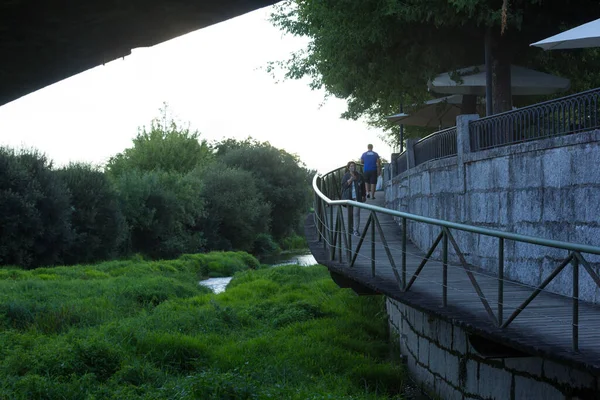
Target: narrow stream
x=218, y=285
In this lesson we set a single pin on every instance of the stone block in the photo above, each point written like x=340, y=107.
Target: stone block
x=452, y=370
x=525, y=162
x=563, y=374
x=583, y=157
x=527, y=388
x=560, y=205
x=556, y=166
x=423, y=351
x=425, y=183
x=528, y=365
x=472, y=377
x=459, y=340
x=527, y=205
x=446, y=391
x=444, y=334
x=494, y=383
x=437, y=360
x=500, y=172
x=478, y=174
x=585, y=206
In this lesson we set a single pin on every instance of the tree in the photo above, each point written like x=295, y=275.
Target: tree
x=163, y=211
x=279, y=176
x=378, y=54
x=97, y=222
x=237, y=212
x=166, y=147
x=35, y=210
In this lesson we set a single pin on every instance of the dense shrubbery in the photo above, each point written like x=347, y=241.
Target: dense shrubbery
x=169, y=194
x=35, y=210
x=97, y=221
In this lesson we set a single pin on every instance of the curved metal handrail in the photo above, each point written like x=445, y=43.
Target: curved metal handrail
x=338, y=237
x=455, y=225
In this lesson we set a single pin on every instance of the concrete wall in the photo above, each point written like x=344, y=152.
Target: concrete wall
x=440, y=357
x=547, y=188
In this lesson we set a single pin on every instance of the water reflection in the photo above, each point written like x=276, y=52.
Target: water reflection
x=219, y=285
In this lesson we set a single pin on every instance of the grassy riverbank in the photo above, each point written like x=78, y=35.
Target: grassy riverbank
x=147, y=330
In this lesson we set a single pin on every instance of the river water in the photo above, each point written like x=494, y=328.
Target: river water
x=218, y=285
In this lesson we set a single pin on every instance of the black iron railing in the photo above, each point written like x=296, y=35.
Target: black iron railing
x=401, y=163
x=571, y=114
x=438, y=145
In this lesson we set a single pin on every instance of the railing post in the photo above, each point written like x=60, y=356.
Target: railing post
x=318, y=210
x=403, y=253
x=500, y=280
x=410, y=153
x=331, y=234
x=373, y=245
x=349, y=229
x=445, y=269
x=575, y=304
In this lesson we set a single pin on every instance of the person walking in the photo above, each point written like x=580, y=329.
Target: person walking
x=353, y=188
x=371, y=168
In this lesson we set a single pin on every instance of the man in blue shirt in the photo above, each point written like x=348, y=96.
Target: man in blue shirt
x=371, y=167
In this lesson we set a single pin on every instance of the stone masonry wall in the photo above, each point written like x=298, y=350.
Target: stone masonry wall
x=546, y=188
x=441, y=359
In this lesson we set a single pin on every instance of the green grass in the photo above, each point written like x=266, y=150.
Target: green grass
x=146, y=330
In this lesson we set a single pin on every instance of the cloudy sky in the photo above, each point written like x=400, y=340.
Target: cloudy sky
x=212, y=78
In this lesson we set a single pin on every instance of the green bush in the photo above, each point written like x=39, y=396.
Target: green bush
x=35, y=210
x=236, y=209
x=283, y=180
x=98, y=224
x=264, y=245
x=294, y=242
x=163, y=211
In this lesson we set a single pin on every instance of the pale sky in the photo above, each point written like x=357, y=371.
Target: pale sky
x=211, y=78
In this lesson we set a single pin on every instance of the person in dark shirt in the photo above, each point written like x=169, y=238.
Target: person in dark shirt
x=353, y=188
x=371, y=169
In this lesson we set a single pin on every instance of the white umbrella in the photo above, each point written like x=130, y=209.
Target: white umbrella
x=586, y=35
x=433, y=113
x=524, y=81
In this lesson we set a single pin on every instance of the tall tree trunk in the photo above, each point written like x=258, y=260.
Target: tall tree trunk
x=501, y=79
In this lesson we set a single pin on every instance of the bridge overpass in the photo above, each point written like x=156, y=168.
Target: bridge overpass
x=480, y=311
x=45, y=42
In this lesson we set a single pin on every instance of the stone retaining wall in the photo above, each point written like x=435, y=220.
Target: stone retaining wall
x=441, y=359
x=547, y=188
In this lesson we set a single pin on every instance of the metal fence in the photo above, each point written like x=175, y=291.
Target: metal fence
x=571, y=114
x=336, y=234
x=438, y=145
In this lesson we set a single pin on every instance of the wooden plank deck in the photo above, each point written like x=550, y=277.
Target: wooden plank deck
x=544, y=327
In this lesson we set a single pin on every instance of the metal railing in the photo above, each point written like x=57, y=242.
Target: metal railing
x=335, y=233
x=401, y=163
x=571, y=114
x=438, y=145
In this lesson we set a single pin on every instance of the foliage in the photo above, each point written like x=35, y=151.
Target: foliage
x=294, y=242
x=97, y=222
x=236, y=208
x=280, y=177
x=285, y=332
x=166, y=147
x=379, y=54
x=35, y=211
x=163, y=211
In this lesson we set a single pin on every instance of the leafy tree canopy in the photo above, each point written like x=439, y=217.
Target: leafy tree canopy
x=279, y=175
x=166, y=146
x=378, y=54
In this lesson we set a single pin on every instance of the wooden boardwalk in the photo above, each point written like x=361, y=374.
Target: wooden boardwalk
x=544, y=328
